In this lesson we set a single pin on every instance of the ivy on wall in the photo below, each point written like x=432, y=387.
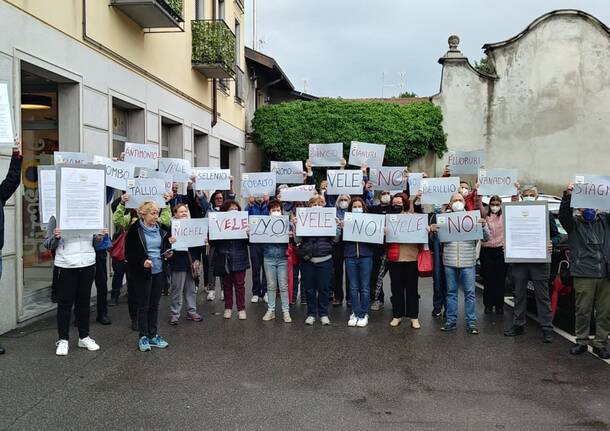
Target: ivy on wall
x=176, y=6
x=213, y=43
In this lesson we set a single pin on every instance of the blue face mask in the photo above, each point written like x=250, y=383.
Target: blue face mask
x=437, y=208
x=588, y=214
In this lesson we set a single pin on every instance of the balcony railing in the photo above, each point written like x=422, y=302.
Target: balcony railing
x=152, y=13
x=213, y=48
x=239, y=84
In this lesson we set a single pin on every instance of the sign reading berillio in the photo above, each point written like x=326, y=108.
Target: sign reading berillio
x=466, y=162
x=438, y=190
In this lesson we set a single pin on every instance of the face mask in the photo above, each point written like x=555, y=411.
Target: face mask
x=357, y=210
x=385, y=199
x=397, y=209
x=495, y=208
x=589, y=214
x=417, y=202
x=529, y=198
x=437, y=208
x=464, y=191
x=276, y=213
x=217, y=208
x=343, y=204
x=234, y=210
x=457, y=206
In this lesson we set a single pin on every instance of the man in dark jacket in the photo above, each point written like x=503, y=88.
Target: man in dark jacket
x=588, y=239
x=7, y=188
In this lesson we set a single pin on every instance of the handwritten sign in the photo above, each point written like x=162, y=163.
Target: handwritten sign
x=348, y=182
x=438, y=190
x=47, y=193
x=189, y=233
x=591, y=191
x=362, y=153
x=288, y=172
x=459, y=226
x=71, y=158
x=179, y=169
x=499, y=182
x=298, y=193
x=258, y=184
x=360, y=227
x=145, y=189
x=415, y=179
x=316, y=221
x=407, y=228
x=388, y=178
x=212, y=179
x=326, y=154
x=269, y=229
x=228, y=225
x=142, y=155
x=117, y=172
x=167, y=178
x=7, y=132
x=466, y=162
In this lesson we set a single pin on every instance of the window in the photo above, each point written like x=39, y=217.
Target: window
x=221, y=9
x=171, y=138
x=199, y=9
x=127, y=125
x=237, y=44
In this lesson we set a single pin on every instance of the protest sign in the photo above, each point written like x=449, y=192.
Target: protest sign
x=344, y=181
x=388, y=178
x=363, y=153
x=7, y=132
x=47, y=193
x=361, y=227
x=459, y=226
x=269, y=229
x=415, y=183
x=167, y=178
x=212, y=179
x=189, y=232
x=117, y=172
x=526, y=232
x=438, y=190
x=145, y=189
x=316, y=221
x=407, y=228
x=81, y=197
x=258, y=184
x=466, y=162
x=179, y=169
x=326, y=154
x=71, y=158
x=499, y=182
x=288, y=172
x=142, y=155
x=591, y=191
x=298, y=193
x=228, y=225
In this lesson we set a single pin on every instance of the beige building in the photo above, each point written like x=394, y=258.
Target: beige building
x=90, y=75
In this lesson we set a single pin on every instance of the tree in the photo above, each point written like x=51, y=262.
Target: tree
x=484, y=66
x=406, y=95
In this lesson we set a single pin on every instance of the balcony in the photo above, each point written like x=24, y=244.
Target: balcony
x=152, y=13
x=213, y=49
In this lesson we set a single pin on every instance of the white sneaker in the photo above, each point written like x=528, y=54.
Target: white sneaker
x=310, y=320
x=222, y=295
x=363, y=322
x=269, y=315
x=325, y=320
x=352, y=320
x=254, y=299
x=211, y=295
x=287, y=318
x=266, y=298
x=88, y=343
x=62, y=348
x=227, y=314
x=241, y=315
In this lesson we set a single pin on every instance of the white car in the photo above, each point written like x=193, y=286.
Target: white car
x=554, y=201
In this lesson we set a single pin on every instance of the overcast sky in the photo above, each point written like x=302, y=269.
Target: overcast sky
x=342, y=47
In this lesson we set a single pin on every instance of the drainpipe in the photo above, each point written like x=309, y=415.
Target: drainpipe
x=214, y=84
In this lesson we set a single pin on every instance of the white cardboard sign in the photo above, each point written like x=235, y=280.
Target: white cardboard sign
x=269, y=229
x=258, y=184
x=212, y=179
x=316, y=221
x=388, y=178
x=228, y=225
x=438, y=190
x=344, y=181
x=288, y=172
x=363, y=153
x=191, y=232
x=407, y=228
x=326, y=154
x=117, y=172
x=145, y=189
x=142, y=155
x=362, y=227
x=298, y=193
x=179, y=169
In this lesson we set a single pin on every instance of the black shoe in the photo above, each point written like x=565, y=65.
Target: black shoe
x=2, y=351
x=113, y=302
x=134, y=325
x=514, y=330
x=103, y=320
x=547, y=336
x=577, y=349
x=499, y=310
x=437, y=312
x=165, y=292
x=489, y=310
x=448, y=327
x=472, y=330
x=601, y=352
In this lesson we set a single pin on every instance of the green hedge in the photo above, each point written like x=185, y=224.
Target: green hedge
x=284, y=131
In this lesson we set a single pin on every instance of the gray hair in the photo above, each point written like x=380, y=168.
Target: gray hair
x=530, y=188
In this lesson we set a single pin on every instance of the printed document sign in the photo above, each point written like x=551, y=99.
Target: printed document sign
x=288, y=172
x=189, y=232
x=438, y=190
x=360, y=227
x=145, y=189
x=212, y=179
x=47, y=198
x=466, y=162
x=7, y=132
x=326, y=154
x=298, y=193
x=362, y=153
x=388, y=178
x=179, y=169
x=228, y=225
x=117, y=172
x=269, y=229
x=71, y=158
x=407, y=228
x=316, y=221
x=526, y=231
x=167, y=178
x=499, y=182
x=459, y=226
x=258, y=184
x=344, y=181
x=415, y=183
x=81, y=197
x=142, y=155
x=591, y=191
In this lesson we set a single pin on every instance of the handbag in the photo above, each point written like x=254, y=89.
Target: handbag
x=393, y=252
x=425, y=263
x=117, y=251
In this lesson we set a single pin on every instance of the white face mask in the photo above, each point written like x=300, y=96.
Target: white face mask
x=457, y=206
x=385, y=199
x=343, y=204
x=276, y=213
x=529, y=198
x=464, y=191
x=357, y=210
x=495, y=208
x=234, y=210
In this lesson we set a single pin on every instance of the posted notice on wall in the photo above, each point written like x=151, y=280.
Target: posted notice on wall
x=189, y=233
x=326, y=154
x=141, y=190
x=142, y=155
x=438, y=190
x=179, y=169
x=298, y=193
x=167, y=178
x=388, y=178
x=499, y=182
x=363, y=153
x=258, y=184
x=71, y=158
x=407, y=228
x=591, y=191
x=459, y=226
x=81, y=197
x=466, y=162
x=228, y=225
x=212, y=178
x=316, y=221
x=47, y=193
x=269, y=229
x=526, y=232
x=117, y=172
x=361, y=227
x=288, y=172
x=7, y=131
x=344, y=181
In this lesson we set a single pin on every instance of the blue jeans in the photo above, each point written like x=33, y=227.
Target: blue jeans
x=317, y=280
x=464, y=277
x=276, y=270
x=359, y=277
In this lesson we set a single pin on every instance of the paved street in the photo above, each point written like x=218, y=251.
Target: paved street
x=254, y=375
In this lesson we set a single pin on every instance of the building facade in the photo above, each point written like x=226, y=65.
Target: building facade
x=92, y=75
